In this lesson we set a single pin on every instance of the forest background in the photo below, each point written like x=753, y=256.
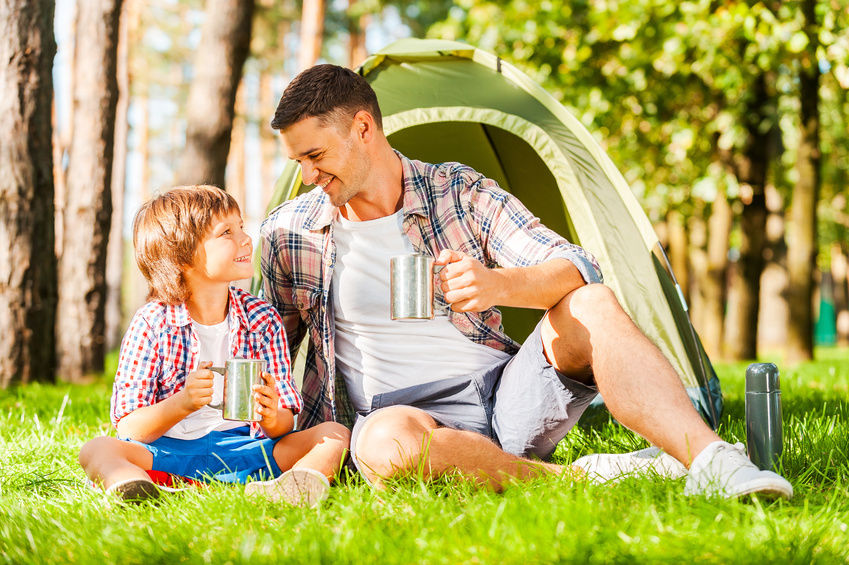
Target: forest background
x=728, y=119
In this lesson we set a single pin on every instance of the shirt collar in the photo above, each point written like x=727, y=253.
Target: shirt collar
x=415, y=200
x=177, y=315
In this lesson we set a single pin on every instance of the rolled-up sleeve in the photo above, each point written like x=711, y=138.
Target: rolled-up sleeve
x=274, y=350
x=139, y=364
x=512, y=236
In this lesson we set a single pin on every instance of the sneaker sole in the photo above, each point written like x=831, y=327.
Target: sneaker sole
x=137, y=490
x=299, y=487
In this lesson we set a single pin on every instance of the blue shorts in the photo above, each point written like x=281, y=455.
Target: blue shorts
x=522, y=403
x=230, y=456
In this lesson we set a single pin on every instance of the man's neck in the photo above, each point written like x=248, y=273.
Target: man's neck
x=385, y=193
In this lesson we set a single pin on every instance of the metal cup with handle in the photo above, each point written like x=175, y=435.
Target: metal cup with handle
x=239, y=377
x=411, y=287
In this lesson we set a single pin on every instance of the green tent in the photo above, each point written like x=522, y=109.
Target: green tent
x=447, y=101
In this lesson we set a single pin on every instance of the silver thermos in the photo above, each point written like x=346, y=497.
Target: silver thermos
x=763, y=415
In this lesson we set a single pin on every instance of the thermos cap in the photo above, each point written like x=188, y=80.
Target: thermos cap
x=762, y=377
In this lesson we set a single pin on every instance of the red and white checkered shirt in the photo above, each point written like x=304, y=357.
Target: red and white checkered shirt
x=447, y=206
x=160, y=349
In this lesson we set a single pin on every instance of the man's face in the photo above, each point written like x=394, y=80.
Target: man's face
x=331, y=157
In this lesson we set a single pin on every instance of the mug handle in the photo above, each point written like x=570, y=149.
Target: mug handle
x=437, y=308
x=222, y=372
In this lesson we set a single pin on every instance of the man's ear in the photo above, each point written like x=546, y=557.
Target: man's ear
x=363, y=126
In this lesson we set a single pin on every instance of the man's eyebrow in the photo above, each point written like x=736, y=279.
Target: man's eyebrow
x=307, y=152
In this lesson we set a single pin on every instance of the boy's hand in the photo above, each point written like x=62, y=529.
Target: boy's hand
x=268, y=399
x=197, y=392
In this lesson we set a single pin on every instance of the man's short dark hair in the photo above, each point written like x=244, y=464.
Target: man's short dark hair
x=328, y=92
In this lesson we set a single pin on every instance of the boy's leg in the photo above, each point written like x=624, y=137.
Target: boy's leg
x=108, y=461
x=320, y=447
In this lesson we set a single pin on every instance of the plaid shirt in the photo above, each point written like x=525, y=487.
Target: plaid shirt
x=160, y=349
x=447, y=206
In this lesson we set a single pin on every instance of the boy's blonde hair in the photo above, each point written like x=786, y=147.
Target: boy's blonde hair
x=167, y=231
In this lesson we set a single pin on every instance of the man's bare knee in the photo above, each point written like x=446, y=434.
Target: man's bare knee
x=393, y=440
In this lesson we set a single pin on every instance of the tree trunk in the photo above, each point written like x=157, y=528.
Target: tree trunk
x=225, y=41
x=802, y=235
x=235, y=173
x=312, y=30
x=678, y=250
x=88, y=203
x=115, y=248
x=27, y=258
x=772, y=318
x=750, y=168
x=357, y=24
x=841, y=292
x=710, y=266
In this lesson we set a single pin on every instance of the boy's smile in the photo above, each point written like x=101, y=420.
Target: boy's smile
x=225, y=254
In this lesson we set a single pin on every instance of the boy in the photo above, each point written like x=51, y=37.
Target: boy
x=190, y=245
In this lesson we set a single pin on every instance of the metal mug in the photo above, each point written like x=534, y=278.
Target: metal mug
x=411, y=287
x=239, y=377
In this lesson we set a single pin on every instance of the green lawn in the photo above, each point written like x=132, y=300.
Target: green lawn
x=48, y=515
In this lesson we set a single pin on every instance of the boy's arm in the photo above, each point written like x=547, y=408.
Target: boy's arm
x=149, y=423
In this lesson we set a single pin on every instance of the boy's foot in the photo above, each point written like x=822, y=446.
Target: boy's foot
x=298, y=487
x=611, y=467
x=135, y=490
x=722, y=469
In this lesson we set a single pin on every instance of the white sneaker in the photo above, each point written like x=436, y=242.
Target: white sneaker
x=299, y=487
x=611, y=467
x=722, y=469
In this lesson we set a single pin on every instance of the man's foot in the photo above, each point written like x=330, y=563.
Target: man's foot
x=135, y=490
x=722, y=469
x=298, y=487
x=611, y=467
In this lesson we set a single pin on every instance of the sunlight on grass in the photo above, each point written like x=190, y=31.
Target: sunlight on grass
x=48, y=514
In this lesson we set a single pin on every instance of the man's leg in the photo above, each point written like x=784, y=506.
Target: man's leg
x=400, y=439
x=588, y=335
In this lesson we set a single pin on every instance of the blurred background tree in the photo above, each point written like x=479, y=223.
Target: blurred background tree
x=728, y=119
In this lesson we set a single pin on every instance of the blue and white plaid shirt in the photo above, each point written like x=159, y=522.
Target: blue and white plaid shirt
x=447, y=206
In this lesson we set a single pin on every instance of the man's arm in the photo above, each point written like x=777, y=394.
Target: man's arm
x=469, y=286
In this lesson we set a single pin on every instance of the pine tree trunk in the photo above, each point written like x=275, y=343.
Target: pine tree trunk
x=115, y=248
x=312, y=31
x=678, y=250
x=27, y=254
x=750, y=168
x=802, y=235
x=841, y=291
x=357, y=24
x=88, y=202
x=709, y=258
x=225, y=41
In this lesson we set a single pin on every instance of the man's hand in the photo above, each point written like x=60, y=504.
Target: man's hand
x=268, y=400
x=197, y=391
x=468, y=285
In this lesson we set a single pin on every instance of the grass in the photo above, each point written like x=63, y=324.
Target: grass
x=48, y=515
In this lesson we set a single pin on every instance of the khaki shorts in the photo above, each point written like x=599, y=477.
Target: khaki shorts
x=523, y=403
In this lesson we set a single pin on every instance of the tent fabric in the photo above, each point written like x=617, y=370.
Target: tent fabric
x=447, y=101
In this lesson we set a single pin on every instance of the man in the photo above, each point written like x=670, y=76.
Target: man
x=455, y=394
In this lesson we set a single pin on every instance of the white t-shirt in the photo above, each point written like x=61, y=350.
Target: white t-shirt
x=214, y=342
x=377, y=354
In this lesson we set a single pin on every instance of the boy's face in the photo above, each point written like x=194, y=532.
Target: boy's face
x=224, y=255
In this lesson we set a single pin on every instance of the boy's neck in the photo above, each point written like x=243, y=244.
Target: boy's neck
x=208, y=304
